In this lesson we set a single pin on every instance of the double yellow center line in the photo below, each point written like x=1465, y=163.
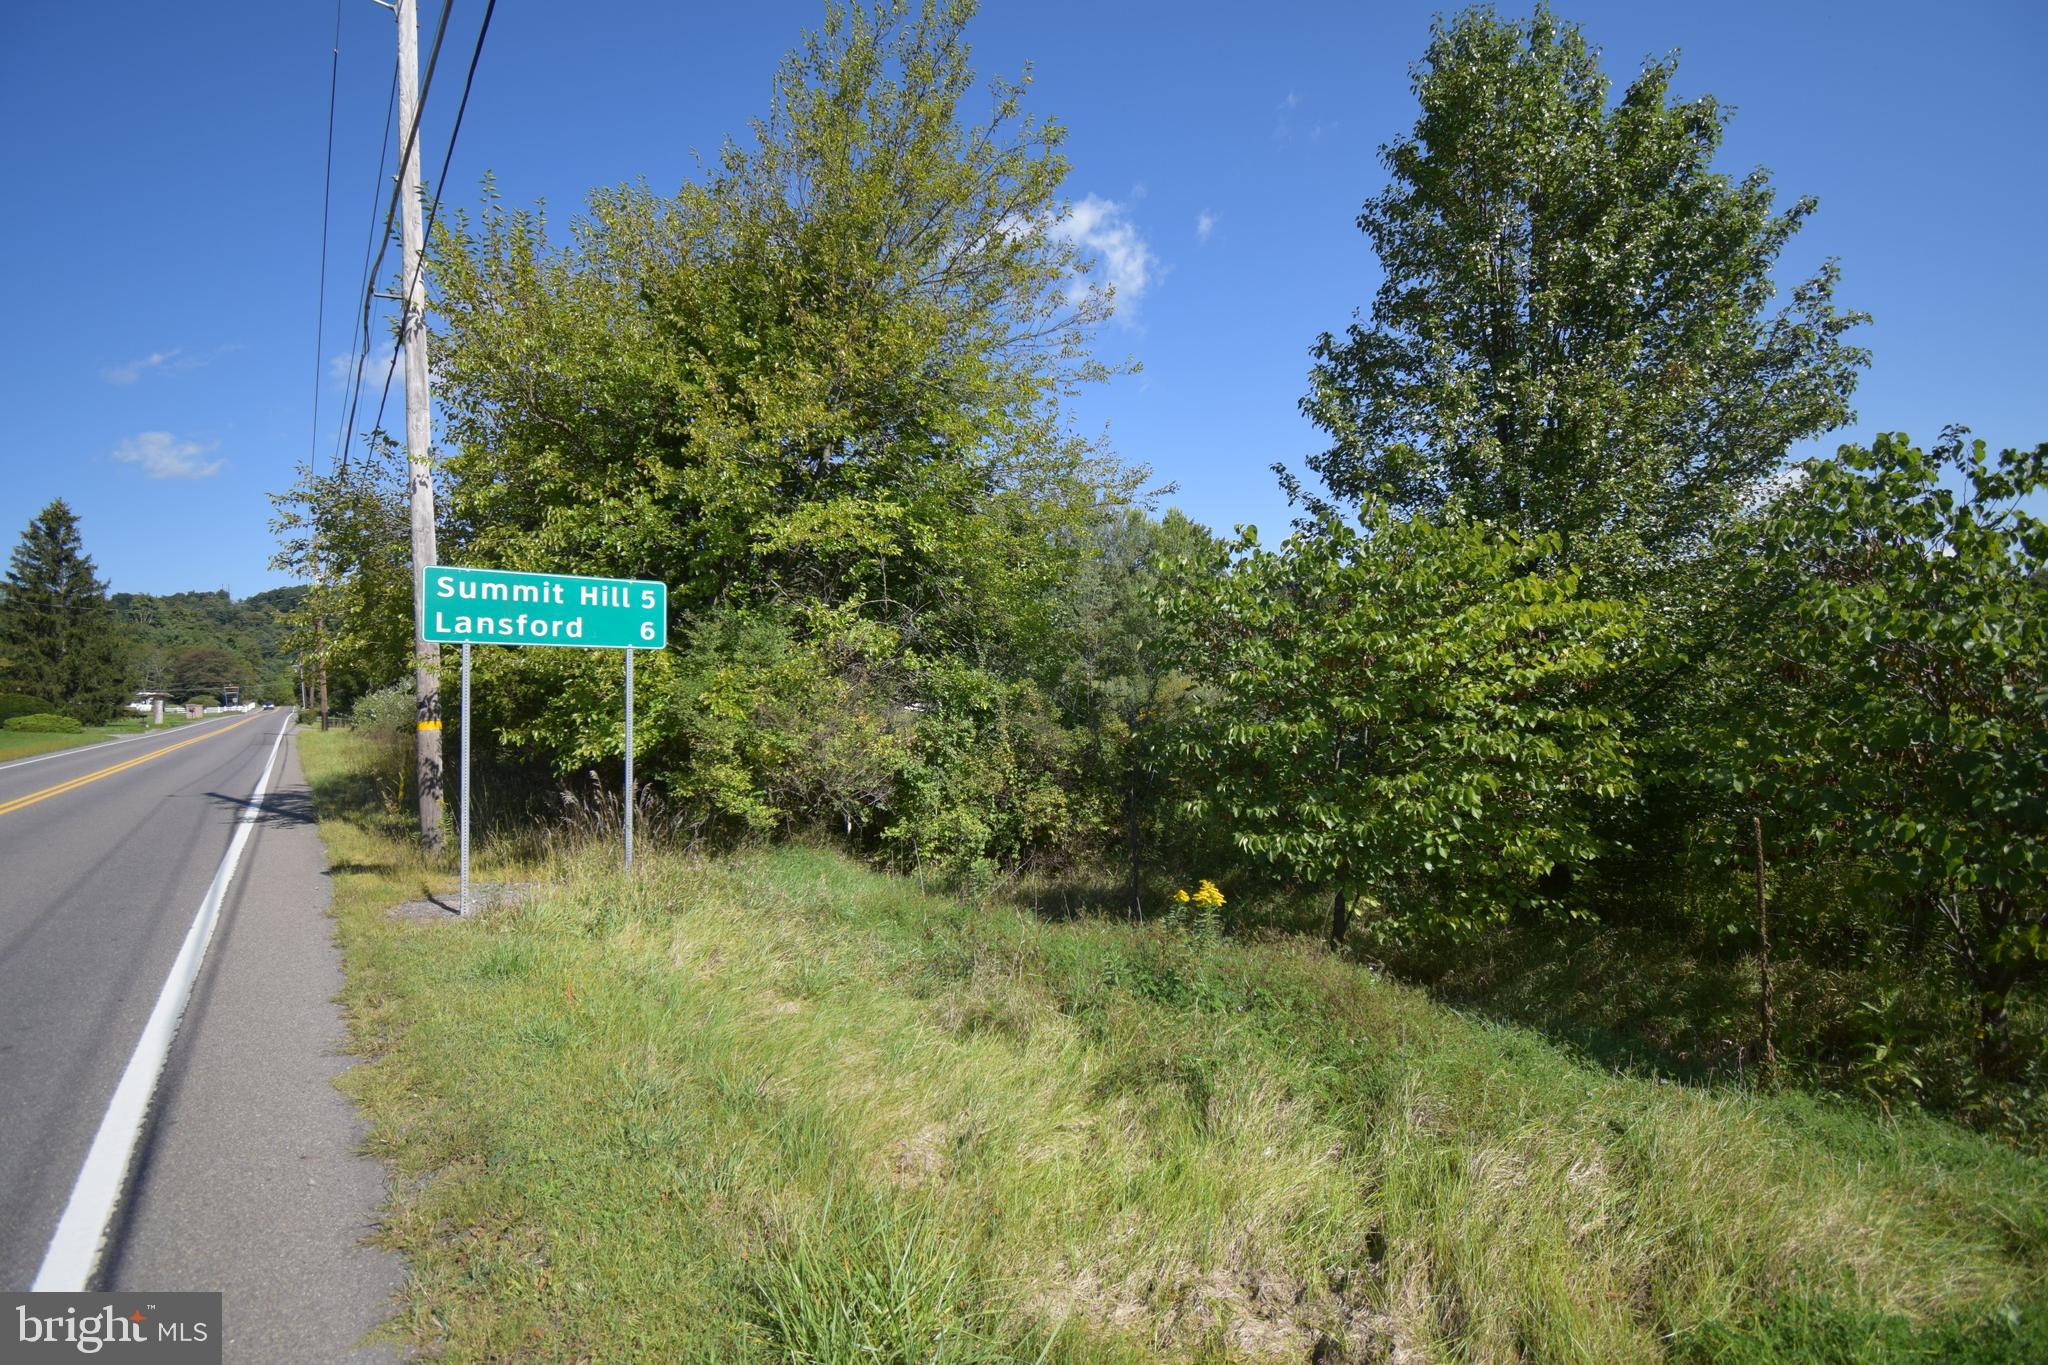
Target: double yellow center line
x=8, y=807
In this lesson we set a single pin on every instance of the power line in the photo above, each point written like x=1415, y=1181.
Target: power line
x=385, y=395
x=412, y=134
x=390, y=216
x=461, y=107
x=358, y=353
x=326, y=202
x=440, y=182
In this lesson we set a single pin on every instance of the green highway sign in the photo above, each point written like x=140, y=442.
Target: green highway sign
x=505, y=607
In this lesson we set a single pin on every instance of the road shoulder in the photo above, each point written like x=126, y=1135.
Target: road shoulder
x=252, y=1180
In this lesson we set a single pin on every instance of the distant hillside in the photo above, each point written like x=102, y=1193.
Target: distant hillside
x=193, y=642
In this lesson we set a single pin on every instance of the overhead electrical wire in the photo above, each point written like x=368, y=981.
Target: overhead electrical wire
x=390, y=216
x=356, y=354
x=326, y=203
x=440, y=182
x=412, y=134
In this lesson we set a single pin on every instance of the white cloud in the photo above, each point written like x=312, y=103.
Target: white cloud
x=1103, y=227
x=163, y=456
x=1283, y=119
x=1205, y=223
x=134, y=369
x=341, y=369
x=177, y=360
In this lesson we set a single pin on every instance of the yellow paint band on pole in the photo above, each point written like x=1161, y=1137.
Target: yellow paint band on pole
x=430, y=725
x=75, y=783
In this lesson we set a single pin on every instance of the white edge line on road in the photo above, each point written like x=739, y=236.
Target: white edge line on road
x=82, y=1230
x=93, y=748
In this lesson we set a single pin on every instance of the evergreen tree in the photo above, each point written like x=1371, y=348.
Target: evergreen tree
x=58, y=637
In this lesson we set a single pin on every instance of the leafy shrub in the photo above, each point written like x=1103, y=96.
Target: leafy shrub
x=782, y=721
x=758, y=721
x=1414, y=696
x=388, y=710
x=202, y=699
x=1913, y=733
x=45, y=724
x=14, y=704
x=987, y=783
x=386, y=717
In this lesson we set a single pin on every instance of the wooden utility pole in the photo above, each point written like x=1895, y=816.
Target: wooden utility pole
x=419, y=430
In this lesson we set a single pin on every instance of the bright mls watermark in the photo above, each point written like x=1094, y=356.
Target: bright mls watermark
x=165, y=1329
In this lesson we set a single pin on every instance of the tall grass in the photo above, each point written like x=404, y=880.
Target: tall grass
x=1880, y=1024
x=780, y=1107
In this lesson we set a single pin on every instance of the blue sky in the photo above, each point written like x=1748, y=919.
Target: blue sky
x=159, y=366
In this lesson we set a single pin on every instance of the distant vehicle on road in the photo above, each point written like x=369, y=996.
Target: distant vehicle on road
x=270, y=706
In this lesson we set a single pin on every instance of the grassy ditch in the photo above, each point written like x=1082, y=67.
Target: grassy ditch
x=1891, y=1028
x=778, y=1106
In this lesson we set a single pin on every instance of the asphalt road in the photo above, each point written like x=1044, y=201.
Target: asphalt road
x=248, y=1179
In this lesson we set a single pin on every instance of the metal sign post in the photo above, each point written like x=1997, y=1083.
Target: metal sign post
x=629, y=758
x=462, y=897
x=569, y=611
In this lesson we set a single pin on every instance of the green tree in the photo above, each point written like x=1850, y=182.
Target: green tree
x=1125, y=680
x=57, y=633
x=348, y=534
x=829, y=371
x=151, y=664
x=819, y=390
x=157, y=626
x=1404, y=705
x=1575, y=331
x=1909, y=663
x=208, y=669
